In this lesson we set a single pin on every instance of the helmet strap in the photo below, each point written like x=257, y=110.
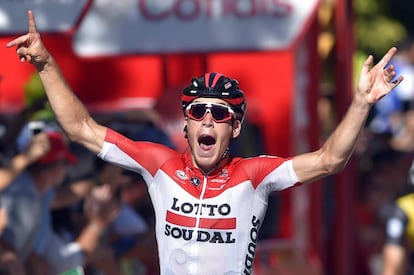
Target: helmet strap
x=225, y=154
x=185, y=132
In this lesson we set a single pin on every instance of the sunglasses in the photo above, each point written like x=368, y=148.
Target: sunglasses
x=220, y=113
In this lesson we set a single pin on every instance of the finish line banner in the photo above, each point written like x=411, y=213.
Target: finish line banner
x=162, y=26
x=51, y=15
x=116, y=27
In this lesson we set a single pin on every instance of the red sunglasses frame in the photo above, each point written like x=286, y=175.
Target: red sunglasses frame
x=209, y=107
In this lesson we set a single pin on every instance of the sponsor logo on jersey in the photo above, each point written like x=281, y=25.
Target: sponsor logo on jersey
x=202, y=222
x=224, y=173
x=181, y=175
x=219, y=180
x=217, y=188
x=199, y=235
x=251, y=248
x=195, y=181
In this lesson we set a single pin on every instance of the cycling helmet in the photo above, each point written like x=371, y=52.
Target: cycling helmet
x=216, y=85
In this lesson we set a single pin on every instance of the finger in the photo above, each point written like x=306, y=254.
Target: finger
x=389, y=74
x=367, y=64
x=386, y=58
x=389, y=69
x=396, y=82
x=32, y=22
x=22, y=52
x=18, y=41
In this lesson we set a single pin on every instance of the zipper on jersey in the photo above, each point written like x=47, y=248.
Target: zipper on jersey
x=203, y=191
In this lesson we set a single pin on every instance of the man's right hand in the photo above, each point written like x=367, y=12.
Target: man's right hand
x=30, y=47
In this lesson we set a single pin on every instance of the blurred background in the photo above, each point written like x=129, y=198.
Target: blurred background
x=297, y=61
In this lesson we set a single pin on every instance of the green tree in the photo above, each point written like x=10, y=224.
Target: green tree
x=376, y=28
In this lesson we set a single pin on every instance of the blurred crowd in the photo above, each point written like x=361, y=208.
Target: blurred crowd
x=65, y=211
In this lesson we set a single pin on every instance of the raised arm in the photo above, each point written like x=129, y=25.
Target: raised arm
x=37, y=148
x=69, y=111
x=374, y=83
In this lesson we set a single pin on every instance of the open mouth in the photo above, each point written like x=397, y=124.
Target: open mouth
x=206, y=141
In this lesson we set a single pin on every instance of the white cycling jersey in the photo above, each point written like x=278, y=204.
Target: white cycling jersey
x=205, y=224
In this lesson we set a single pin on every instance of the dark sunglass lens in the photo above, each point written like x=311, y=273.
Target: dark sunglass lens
x=198, y=111
x=220, y=113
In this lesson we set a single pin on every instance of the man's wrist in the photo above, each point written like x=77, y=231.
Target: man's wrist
x=361, y=103
x=96, y=226
x=49, y=64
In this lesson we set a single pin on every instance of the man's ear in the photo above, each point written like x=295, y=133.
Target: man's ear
x=236, y=128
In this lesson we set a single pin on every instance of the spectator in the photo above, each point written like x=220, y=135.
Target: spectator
x=398, y=250
x=63, y=254
x=37, y=148
x=25, y=201
x=22, y=200
x=144, y=252
x=11, y=127
x=129, y=230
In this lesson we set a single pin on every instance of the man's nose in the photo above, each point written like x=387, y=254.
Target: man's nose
x=208, y=119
